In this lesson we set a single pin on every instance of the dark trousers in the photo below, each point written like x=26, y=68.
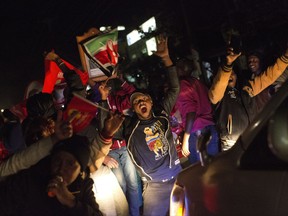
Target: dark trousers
x=156, y=197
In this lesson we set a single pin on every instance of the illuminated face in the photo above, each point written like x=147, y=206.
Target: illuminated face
x=254, y=64
x=142, y=106
x=65, y=165
x=232, y=80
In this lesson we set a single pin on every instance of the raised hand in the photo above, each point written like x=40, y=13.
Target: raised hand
x=163, y=51
x=63, y=129
x=104, y=89
x=52, y=56
x=111, y=124
x=58, y=188
x=162, y=46
x=231, y=56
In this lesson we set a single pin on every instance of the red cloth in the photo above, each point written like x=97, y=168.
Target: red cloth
x=86, y=112
x=54, y=75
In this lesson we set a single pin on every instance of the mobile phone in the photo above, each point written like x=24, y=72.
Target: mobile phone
x=235, y=43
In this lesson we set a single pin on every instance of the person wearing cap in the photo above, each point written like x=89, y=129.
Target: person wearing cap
x=150, y=142
x=236, y=104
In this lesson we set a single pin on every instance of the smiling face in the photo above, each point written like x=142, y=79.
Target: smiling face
x=142, y=106
x=254, y=64
x=65, y=165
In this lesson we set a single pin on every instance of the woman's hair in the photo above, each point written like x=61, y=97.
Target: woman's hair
x=41, y=105
x=37, y=128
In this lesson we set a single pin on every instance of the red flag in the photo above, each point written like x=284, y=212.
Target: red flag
x=83, y=74
x=54, y=75
x=86, y=112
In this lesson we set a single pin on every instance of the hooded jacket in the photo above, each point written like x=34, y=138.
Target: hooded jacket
x=155, y=156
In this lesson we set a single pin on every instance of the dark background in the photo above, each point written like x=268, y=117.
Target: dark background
x=28, y=28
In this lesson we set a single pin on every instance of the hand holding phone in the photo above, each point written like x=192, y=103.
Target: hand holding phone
x=235, y=43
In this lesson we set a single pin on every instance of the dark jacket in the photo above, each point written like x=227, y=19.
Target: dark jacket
x=168, y=165
x=25, y=193
x=235, y=114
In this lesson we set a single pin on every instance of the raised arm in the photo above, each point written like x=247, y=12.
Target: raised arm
x=37, y=151
x=173, y=81
x=73, y=80
x=220, y=81
x=103, y=141
x=269, y=76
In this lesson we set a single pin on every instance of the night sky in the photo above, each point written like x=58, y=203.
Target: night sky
x=28, y=28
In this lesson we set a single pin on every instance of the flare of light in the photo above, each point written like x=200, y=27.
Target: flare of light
x=120, y=28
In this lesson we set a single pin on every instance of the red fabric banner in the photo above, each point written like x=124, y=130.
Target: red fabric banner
x=54, y=75
x=85, y=109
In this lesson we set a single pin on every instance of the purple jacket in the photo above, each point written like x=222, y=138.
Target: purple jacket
x=193, y=97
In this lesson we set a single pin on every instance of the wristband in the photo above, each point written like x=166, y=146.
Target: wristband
x=105, y=137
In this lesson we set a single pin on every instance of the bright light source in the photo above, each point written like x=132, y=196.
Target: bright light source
x=133, y=37
x=151, y=45
x=120, y=28
x=102, y=28
x=2, y=110
x=149, y=25
x=105, y=28
x=110, y=196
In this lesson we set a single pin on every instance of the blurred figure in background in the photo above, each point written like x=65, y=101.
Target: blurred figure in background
x=196, y=113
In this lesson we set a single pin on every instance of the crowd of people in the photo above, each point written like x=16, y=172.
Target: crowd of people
x=46, y=167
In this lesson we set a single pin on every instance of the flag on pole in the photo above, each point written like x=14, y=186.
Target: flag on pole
x=103, y=51
x=86, y=111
